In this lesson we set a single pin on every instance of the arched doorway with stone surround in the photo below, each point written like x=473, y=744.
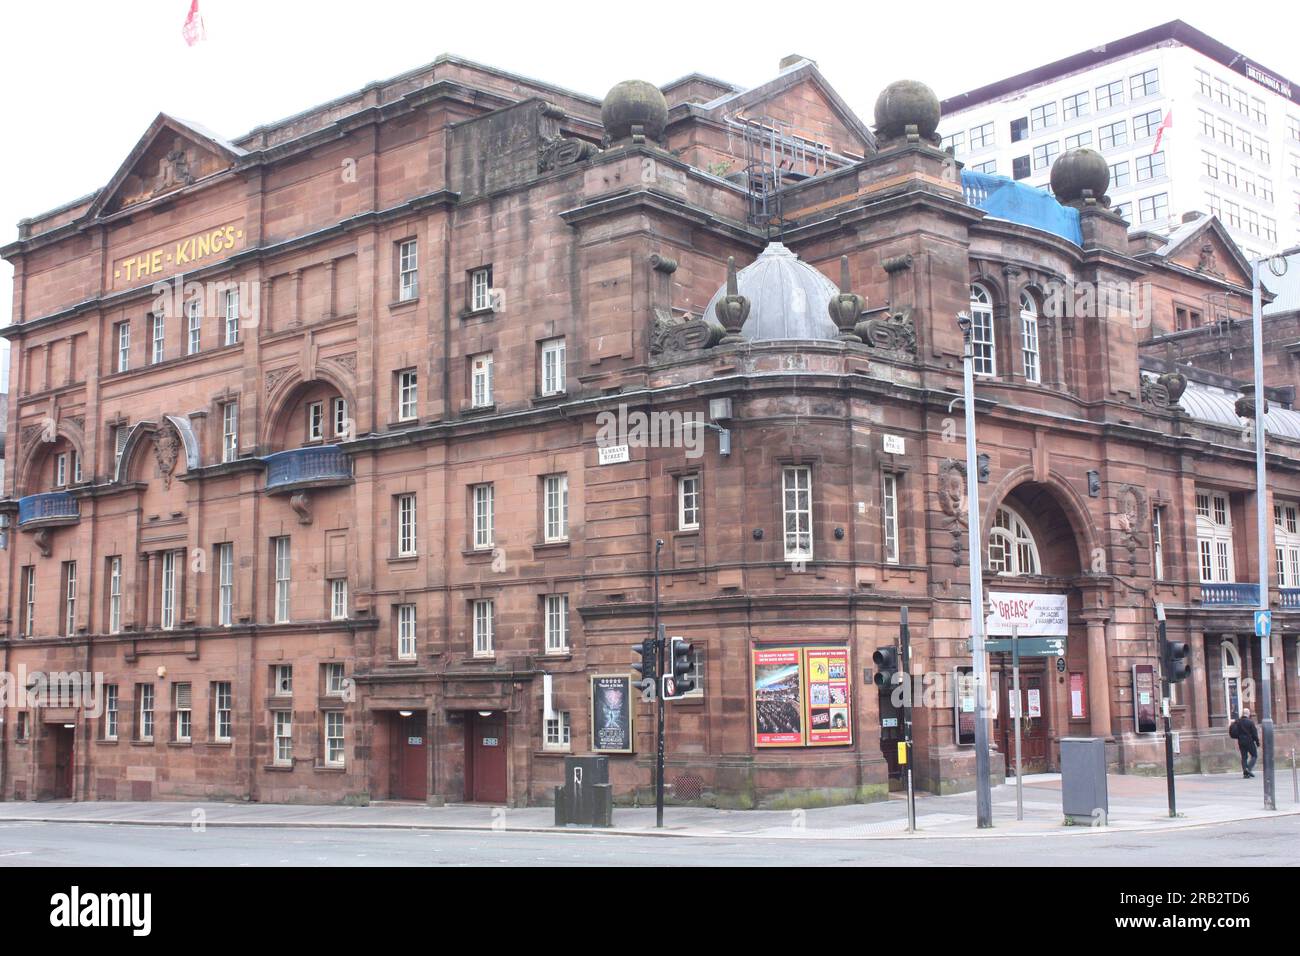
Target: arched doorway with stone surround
x=1038, y=544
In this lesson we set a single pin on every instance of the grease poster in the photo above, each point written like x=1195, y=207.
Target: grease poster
x=829, y=721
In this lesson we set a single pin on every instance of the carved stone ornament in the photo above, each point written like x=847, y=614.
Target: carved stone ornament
x=733, y=308
x=1165, y=390
x=1130, y=520
x=1208, y=261
x=166, y=450
x=952, y=500
x=300, y=502
x=847, y=306
x=173, y=169
x=275, y=376
x=688, y=335
x=894, y=329
x=558, y=151
x=41, y=538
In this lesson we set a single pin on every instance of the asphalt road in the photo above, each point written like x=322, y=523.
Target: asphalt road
x=1247, y=843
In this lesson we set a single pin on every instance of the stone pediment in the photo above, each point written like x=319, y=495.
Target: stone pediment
x=1210, y=250
x=171, y=155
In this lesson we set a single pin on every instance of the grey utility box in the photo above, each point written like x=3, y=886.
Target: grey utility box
x=1083, y=780
x=585, y=798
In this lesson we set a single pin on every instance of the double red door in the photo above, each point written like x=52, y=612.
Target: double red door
x=1033, y=719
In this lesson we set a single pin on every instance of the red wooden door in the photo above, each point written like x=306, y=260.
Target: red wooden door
x=64, y=738
x=486, y=750
x=410, y=748
x=1033, y=719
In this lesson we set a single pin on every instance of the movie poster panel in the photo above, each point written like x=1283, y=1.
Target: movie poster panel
x=611, y=713
x=827, y=685
x=778, y=697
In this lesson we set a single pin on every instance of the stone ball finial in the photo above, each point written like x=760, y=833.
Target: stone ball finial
x=1078, y=170
x=634, y=107
x=906, y=103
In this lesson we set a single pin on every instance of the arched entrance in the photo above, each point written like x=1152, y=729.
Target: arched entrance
x=1033, y=558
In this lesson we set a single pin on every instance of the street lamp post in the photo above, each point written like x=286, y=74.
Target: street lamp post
x=1261, y=522
x=983, y=794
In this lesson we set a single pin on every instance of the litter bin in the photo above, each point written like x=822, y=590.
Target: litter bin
x=585, y=798
x=1083, y=780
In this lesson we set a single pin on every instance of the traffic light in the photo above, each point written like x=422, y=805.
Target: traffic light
x=648, y=667
x=681, y=662
x=1176, y=665
x=886, y=661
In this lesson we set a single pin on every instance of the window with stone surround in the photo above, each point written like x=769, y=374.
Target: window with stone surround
x=982, y=336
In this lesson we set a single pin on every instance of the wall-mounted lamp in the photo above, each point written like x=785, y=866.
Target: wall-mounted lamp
x=404, y=713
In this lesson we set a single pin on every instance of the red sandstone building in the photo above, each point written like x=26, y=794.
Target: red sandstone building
x=308, y=449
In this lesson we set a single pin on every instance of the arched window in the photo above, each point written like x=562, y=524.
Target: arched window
x=1029, y=337
x=1286, y=541
x=1011, y=545
x=1214, y=538
x=981, y=314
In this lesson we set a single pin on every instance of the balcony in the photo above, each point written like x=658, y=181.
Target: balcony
x=321, y=466
x=48, y=510
x=1290, y=599
x=1229, y=595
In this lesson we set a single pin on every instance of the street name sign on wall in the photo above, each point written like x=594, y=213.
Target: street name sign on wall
x=1034, y=615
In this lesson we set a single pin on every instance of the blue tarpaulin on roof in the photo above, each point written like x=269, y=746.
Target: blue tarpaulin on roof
x=1007, y=199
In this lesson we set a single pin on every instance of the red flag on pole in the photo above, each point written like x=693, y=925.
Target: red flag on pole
x=194, y=31
x=1165, y=124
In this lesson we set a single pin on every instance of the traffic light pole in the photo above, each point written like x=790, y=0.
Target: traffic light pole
x=1163, y=646
x=983, y=790
x=906, y=642
x=659, y=670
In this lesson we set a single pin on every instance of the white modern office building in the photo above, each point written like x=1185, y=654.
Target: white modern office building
x=1227, y=129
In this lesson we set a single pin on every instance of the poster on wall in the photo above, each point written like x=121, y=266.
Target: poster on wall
x=964, y=705
x=611, y=713
x=1144, y=698
x=778, y=697
x=1078, y=696
x=826, y=672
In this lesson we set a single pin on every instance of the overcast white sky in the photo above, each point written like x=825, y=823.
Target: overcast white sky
x=82, y=79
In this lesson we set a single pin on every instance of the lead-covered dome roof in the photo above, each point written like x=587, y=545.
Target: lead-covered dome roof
x=789, y=299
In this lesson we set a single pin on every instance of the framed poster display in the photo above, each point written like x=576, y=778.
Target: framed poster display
x=611, y=714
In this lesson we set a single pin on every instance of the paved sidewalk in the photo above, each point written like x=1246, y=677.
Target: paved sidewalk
x=1136, y=804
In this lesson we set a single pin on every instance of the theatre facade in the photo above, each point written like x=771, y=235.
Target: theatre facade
x=349, y=459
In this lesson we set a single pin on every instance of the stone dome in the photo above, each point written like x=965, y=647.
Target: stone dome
x=1078, y=169
x=631, y=103
x=788, y=298
x=907, y=102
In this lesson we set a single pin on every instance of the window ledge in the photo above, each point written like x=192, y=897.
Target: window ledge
x=106, y=743
x=278, y=768
x=180, y=743
x=402, y=662
x=564, y=655
x=484, y=553
x=552, y=547
x=551, y=399
x=403, y=559
x=403, y=303
x=557, y=752
x=484, y=313
x=328, y=768
x=467, y=408
x=219, y=744
x=142, y=743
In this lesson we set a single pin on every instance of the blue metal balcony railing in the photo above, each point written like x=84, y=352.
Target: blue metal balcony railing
x=1229, y=595
x=52, y=507
x=325, y=464
x=1291, y=598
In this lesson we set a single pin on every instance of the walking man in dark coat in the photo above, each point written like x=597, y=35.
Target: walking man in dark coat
x=1247, y=742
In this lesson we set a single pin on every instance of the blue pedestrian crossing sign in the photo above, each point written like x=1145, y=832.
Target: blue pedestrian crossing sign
x=1263, y=623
